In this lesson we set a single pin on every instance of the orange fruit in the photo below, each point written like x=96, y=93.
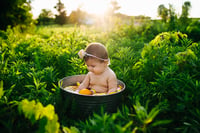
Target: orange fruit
x=85, y=92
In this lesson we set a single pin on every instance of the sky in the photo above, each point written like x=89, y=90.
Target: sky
x=128, y=7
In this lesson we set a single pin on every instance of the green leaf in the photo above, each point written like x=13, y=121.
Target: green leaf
x=28, y=108
x=36, y=112
x=153, y=113
x=1, y=89
x=161, y=122
x=127, y=125
x=72, y=129
x=52, y=125
x=48, y=111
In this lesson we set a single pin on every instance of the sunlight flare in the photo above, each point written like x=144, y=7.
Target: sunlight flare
x=95, y=7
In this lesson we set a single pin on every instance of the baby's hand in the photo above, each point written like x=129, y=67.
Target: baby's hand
x=77, y=91
x=93, y=91
x=111, y=91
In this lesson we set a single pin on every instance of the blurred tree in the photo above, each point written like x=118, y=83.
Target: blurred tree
x=114, y=7
x=45, y=17
x=184, y=21
x=185, y=9
x=169, y=17
x=172, y=24
x=77, y=17
x=15, y=12
x=61, y=18
x=73, y=17
x=163, y=13
x=193, y=30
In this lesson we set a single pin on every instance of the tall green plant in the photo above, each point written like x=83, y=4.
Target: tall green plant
x=145, y=121
x=107, y=123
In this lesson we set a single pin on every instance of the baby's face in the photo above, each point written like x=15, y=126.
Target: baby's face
x=95, y=66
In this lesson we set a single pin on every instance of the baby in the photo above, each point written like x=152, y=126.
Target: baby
x=100, y=77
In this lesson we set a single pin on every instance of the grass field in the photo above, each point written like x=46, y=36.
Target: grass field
x=161, y=71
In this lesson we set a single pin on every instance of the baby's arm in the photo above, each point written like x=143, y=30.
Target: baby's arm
x=85, y=83
x=112, y=83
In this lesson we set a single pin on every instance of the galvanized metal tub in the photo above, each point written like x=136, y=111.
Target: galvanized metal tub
x=84, y=105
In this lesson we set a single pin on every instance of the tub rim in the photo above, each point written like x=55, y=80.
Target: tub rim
x=118, y=81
